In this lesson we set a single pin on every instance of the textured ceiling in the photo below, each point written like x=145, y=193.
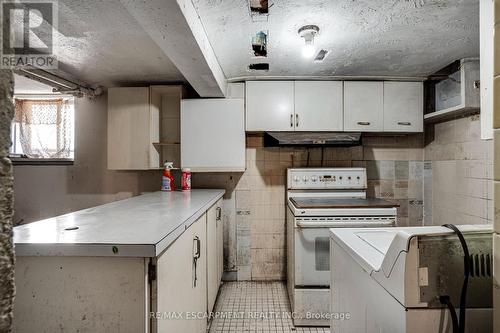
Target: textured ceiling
x=102, y=44
x=395, y=38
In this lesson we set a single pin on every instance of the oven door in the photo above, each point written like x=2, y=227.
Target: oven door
x=312, y=257
x=312, y=245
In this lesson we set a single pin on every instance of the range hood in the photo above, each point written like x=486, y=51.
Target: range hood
x=275, y=139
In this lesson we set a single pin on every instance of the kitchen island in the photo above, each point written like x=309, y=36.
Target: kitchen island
x=121, y=267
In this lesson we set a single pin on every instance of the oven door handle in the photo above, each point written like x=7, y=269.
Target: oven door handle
x=302, y=224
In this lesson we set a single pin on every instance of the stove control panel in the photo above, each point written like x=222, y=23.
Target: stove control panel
x=326, y=178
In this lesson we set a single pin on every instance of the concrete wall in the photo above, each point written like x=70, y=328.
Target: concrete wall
x=6, y=187
x=46, y=191
x=254, y=208
x=458, y=173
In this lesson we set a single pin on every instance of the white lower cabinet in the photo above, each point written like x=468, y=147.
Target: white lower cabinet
x=169, y=293
x=181, y=281
x=220, y=242
x=214, y=253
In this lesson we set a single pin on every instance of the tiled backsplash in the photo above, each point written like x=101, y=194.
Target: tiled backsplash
x=255, y=203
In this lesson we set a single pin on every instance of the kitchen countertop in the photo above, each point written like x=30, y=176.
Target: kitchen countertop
x=142, y=226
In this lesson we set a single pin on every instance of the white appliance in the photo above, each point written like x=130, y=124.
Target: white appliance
x=390, y=280
x=319, y=199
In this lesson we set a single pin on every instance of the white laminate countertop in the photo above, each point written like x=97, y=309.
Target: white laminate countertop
x=142, y=226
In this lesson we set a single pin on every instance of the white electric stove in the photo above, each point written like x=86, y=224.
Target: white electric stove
x=319, y=199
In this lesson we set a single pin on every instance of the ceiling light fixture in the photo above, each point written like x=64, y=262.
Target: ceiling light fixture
x=308, y=32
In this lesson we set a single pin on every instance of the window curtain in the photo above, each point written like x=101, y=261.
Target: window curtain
x=45, y=127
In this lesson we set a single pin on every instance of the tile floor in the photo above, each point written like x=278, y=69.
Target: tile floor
x=255, y=307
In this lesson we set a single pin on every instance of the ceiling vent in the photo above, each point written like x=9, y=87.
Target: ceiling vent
x=321, y=56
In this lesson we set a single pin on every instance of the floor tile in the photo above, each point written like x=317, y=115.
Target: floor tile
x=255, y=307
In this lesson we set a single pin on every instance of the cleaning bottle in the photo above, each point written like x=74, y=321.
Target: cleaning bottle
x=186, y=179
x=167, y=180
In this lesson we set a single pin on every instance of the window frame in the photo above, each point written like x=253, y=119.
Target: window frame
x=18, y=159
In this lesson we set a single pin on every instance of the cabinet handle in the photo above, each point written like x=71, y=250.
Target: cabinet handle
x=404, y=123
x=291, y=120
x=196, y=256
x=296, y=120
x=218, y=214
x=363, y=123
x=197, y=253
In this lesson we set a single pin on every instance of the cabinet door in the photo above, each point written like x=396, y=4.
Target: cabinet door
x=269, y=106
x=212, y=262
x=403, y=106
x=220, y=242
x=363, y=106
x=213, y=135
x=129, y=129
x=318, y=106
x=176, y=287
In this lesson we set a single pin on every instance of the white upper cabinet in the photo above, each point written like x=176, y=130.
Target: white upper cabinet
x=213, y=135
x=318, y=106
x=351, y=106
x=270, y=106
x=132, y=130
x=403, y=106
x=363, y=106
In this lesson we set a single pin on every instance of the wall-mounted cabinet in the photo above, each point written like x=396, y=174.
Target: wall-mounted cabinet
x=318, y=106
x=213, y=135
x=363, y=106
x=294, y=106
x=143, y=127
x=351, y=106
x=454, y=91
x=270, y=106
x=403, y=106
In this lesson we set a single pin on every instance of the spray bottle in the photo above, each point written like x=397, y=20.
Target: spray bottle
x=167, y=180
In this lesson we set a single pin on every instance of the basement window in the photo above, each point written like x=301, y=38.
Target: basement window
x=43, y=130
